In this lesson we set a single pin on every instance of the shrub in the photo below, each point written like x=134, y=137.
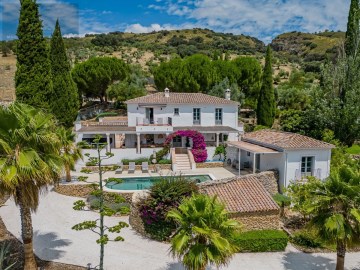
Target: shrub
x=262, y=241
x=306, y=239
x=282, y=200
x=164, y=161
x=161, y=153
x=137, y=161
x=164, y=196
x=105, y=114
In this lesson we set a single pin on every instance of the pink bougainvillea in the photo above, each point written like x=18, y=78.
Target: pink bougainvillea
x=199, y=145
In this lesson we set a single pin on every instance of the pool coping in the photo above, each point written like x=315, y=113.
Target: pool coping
x=105, y=188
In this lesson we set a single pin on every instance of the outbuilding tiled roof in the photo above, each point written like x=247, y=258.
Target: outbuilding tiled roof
x=243, y=194
x=284, y=140
x=180, y=98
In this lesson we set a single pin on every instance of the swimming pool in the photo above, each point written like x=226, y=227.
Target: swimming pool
x=140, y=183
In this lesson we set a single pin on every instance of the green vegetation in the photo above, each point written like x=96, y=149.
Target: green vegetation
x=33, y=75
x=164, y=196
x=69, y=151
x=30, y=160
x=119, y=206
x=65, y=103
x=354, y=149
x=100, y=202
x=137, y=161
x=197, y=73
x=265, y=111
x=352, y=32
x=261, y=241
x=164, y=161
x=105, y=114
x=220, y=151
x=205, y=234
x=94, y=76
x=5, y=262
x=306, y=239
x=333, y=207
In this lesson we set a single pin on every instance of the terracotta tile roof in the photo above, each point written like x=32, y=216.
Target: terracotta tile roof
x=241, y=195
x=180, y=98
x=283, y=140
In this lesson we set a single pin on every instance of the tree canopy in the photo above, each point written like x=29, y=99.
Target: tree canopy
x=33, y=75
x=197, y=73
x=65, y=103
x=94, y=76
x=265, y=112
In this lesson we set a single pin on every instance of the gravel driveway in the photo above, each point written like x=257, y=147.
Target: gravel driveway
x=54, y=240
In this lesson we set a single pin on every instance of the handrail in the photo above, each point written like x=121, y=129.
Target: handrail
x=192, y=160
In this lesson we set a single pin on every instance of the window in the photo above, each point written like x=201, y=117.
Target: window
x=196, y=116
x=306, y=166
x=176, y=111
x=218, y=116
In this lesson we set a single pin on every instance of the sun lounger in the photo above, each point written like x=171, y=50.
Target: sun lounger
x=119, y=169
x=145, y=167
x=131, y=167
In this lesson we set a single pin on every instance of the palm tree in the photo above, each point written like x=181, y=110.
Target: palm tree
x=70, y=152
x=205, y=232
x=334, y=209
x=29, y=161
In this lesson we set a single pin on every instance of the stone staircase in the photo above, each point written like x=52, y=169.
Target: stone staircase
x=183, y=162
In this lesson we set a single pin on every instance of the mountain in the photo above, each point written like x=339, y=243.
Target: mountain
x=308, y=48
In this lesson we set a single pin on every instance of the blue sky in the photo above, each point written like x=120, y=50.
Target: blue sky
x=263, y=19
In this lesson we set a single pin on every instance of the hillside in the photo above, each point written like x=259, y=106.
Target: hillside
x=306, y=48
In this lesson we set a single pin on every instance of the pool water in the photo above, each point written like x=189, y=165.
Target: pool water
x=140, y=183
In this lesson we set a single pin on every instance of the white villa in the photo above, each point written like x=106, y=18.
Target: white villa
x=150, y=119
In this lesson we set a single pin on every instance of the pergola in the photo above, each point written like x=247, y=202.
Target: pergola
x=250, y=147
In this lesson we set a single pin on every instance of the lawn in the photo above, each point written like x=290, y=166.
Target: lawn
x=355, y=149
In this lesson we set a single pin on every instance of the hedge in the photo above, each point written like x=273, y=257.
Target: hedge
x=164, y=161
x=261, y=241
x=137, y=161
x=104, y=114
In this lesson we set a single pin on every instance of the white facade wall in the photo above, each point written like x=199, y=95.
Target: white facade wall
x=322, y=159
x=119, y=154
x=185, y=117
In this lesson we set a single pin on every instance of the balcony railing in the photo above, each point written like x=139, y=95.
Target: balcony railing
x=161, y=121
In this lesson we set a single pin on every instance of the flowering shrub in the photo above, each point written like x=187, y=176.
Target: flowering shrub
x=199, y=145
x=164, y=196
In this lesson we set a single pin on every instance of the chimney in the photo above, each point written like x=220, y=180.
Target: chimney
x=228, y=94
x=167, y=92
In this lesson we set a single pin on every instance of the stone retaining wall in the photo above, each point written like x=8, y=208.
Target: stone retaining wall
x=134, y=219
x=266, y=220
x=84, y=190
x=210, y=165
x=270, y=180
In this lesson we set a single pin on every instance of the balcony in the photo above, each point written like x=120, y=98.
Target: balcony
x=161, y=121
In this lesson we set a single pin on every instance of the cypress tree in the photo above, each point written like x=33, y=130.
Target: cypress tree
x=66, y=100
x=352, y=32
x=33, y=76
x=266, y=101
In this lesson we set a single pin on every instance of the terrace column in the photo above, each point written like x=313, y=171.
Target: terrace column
x=138, y=143
x=254, y=163
x=217, y=139
x=108, y=142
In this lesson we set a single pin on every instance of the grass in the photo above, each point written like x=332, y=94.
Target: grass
x=354, y=150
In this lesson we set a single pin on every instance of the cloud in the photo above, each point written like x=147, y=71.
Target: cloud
x=138, y=28
x=261, y=18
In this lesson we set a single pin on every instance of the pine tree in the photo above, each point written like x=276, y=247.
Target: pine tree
x=66, y=98
x=352, y=31
x=33, y=75
x=266, y=102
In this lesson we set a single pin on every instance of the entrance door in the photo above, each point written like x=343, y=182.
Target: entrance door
x=177, y=141
x=149, y=115
x=257, y=162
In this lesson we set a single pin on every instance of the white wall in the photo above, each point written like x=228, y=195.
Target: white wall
x=119, y=154
x=185, y=117
x=322, y=161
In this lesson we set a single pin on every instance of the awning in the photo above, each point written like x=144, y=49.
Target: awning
x=253, y=148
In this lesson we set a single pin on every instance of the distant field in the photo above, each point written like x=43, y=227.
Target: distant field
x=7, y=74
x=355, y=149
